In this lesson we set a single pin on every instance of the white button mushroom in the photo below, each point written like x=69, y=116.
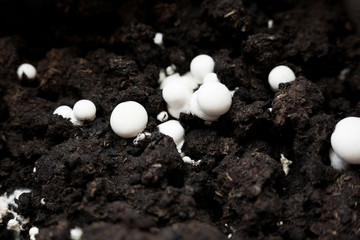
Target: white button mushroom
x=177, y=95
x=270, y=24
x=210, y=101
x=32, y=232
x=64, y=111
x=345, y=140
x=200, y=66
x=76, y=233
x=280, y=74
x=26, y=69
x=84, y=110
x=173, y=129
x=67, y=112
x=128, y=119
x=158, y=39
x=162, y=116
x=170, y=70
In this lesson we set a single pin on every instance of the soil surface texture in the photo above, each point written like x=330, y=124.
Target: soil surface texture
x=88, y=177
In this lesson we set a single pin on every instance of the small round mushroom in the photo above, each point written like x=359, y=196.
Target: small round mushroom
x=64, y=111
x=128, y=119
x=173, y=129
x=345, y=140
x=158, y=39
x=27, y=70
x=200, y=66
x=162, y=116
x=177, y=95
x=84, y=110
x=210, y=101
x=32, y=232
x=76, y=233
x=67, y=112
x=280, y=74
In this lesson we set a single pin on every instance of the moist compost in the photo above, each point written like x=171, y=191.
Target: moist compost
x=88, y=177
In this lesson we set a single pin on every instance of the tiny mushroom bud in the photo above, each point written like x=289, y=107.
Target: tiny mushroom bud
x=200, y=66
x=270, y=23
x=177, y=95
x=67, y=112
x=285, y=164
x=345, y=140
x=187, y=159
x=76, y=233
x=280, y=74
x=84, y=110
x=173, y=129
x=158, y=39
x=128, y=119
x=210, y=101
x=28, y=70
x=170, y=70
x=64, y=111
x=162, y=116
x=32, y=232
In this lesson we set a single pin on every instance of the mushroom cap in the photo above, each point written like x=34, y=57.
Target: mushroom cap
x=345, y=140
x=84, y=110
x=64, y=111
x=173, y=129
x=200, y=66
x=27, y=69
x=214, y=98
x=176, y=94
x=280, y=74
x=128, y=119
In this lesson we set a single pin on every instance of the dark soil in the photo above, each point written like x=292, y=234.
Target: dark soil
x=104, y=51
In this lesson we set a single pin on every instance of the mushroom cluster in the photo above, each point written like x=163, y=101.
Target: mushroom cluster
x=211, y=99
x=83, y=110
x=198, y=92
